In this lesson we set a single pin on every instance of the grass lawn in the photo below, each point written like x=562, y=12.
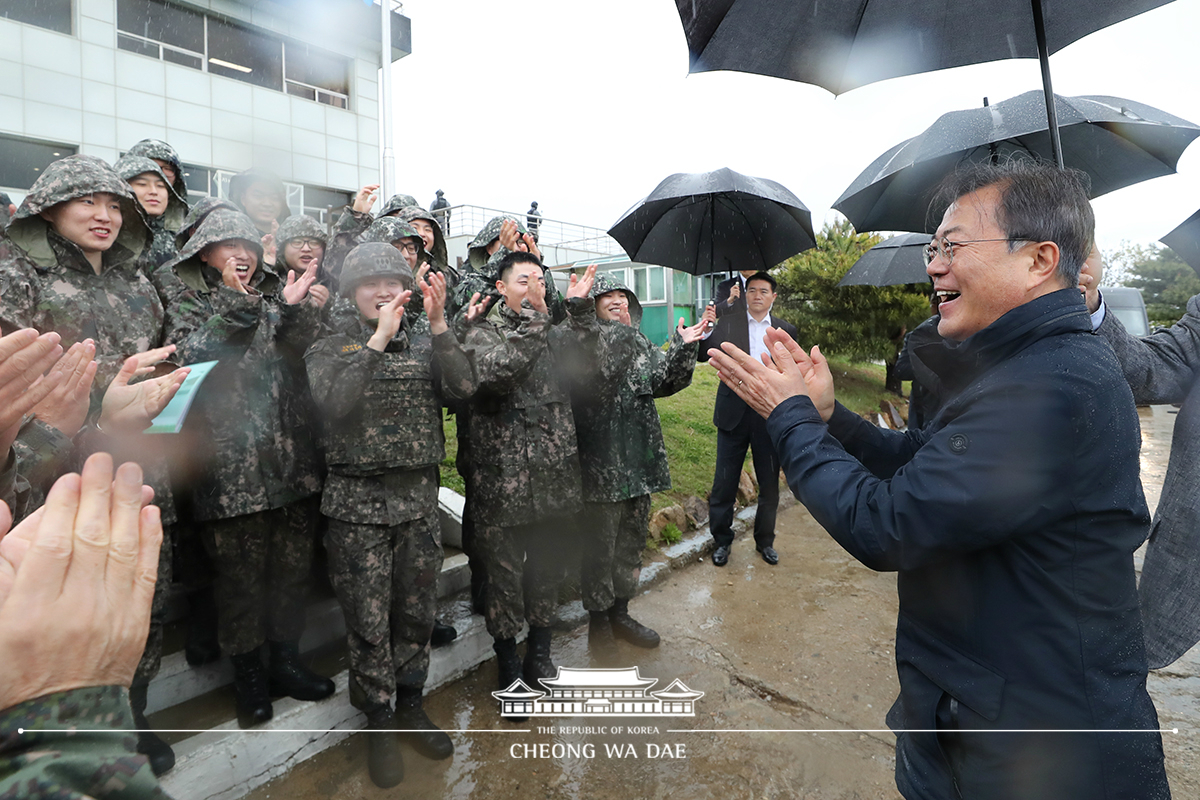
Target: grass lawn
x=689, y=433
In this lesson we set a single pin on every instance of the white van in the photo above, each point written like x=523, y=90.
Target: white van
x=1129, y=307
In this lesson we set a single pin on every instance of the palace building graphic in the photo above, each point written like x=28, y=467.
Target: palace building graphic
x=597, y=692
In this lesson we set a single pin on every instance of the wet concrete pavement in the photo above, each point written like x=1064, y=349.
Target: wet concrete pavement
x=778, y=651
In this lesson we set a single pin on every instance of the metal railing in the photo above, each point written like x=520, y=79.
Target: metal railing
x=552, y=234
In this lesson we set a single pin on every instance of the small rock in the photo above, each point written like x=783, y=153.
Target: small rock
x=697, y=511
x=671, y=515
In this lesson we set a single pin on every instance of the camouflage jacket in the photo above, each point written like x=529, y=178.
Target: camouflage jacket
x=483, y=281
x=382, y=415
x=163, y=228
x=13, y=488
x=251, y=422
x=525, y=462
x=55, y=759
x=621, y=446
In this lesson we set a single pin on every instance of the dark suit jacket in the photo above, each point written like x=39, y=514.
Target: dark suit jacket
x=735, y=328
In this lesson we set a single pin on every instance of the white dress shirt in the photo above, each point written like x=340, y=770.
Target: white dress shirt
x=757, y=331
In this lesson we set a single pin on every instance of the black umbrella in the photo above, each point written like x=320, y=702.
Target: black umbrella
x=1185, y=241
x=892, y=262
x=715, y=221
x=843, y=45
x=1116, y=142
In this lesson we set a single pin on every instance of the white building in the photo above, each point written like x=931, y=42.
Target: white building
x=288, y=86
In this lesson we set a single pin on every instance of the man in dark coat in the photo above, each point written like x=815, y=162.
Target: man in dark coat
x=1011, y=518
x=739, y=428
x=1162, y=368
x=731, y=293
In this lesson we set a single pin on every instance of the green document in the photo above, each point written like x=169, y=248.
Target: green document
x=172, y=417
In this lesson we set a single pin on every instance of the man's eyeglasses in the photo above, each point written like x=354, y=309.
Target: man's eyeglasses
x=311, y=244
x=945, y=248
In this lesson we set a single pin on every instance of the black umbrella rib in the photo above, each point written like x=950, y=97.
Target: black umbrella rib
x=757, y=242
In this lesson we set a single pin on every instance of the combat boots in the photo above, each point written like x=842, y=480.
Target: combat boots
x=250, y=685
x=157, y=752
x=600, y=638
x=384, y=762
x=290, y=677
x=537, y=657
x=442, y=635
x=627, y=628
x=508, y=663
x=427, y=739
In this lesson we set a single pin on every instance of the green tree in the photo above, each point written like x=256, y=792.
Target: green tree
x=858, y=322
x=1166, y=282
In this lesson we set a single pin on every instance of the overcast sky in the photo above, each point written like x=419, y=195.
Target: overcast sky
x=585, y=107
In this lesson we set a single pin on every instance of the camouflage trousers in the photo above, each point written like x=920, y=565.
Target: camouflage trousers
x=613, y=537
x=262, y=561
x=147, y=668
x=525, y=568
x=386, y=580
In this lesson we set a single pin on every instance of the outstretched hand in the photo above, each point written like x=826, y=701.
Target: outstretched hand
x=296, y=289
x=130, y=408
x=581, y=287
x=76, y=583
x=433, y=298
x=694, y=333
x=477, y=308
x=24, y=358
x=390, y=316
x=66, y=408
x=784, y=374
x=365, y=198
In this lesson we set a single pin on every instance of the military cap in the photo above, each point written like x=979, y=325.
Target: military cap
x=300, y=226
x=371, y=260
x=391, y=229
x=197, y=215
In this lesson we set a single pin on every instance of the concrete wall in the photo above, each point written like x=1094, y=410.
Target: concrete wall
x=81, y=90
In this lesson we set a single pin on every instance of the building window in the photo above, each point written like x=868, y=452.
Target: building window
x=168, y=32
x=22, y=160
x=53, y=15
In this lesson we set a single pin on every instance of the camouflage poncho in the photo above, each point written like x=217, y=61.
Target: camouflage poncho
x=158, y=149
x=164, y=226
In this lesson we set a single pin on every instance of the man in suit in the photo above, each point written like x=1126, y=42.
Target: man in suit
x=731, y=293
x=738, y=427
x=1164, y=368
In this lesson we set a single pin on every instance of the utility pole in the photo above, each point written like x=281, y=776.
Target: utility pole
x=387, y=177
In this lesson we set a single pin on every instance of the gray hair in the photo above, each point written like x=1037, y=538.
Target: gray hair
x=1038, y=203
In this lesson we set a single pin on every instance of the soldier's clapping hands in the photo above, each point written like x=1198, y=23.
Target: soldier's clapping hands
x=390, y=315
x=580, y=287
x=694, y=333
x=130, y=407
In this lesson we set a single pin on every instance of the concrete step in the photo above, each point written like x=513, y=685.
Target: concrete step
x=224, y=762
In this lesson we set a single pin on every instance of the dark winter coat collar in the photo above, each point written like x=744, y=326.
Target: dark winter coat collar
x=958, y=364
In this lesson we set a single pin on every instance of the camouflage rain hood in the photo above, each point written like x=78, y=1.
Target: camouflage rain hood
x=130, y=166
x=391, y=229
x=157, y=148
x=239, y=183
x=477, y=250
x=439, y=252
x=606, y=282
x=66, y=179
x=300, y=226
x=222, y=225
x=197, y=215
x=370, y=260
x=397, y=202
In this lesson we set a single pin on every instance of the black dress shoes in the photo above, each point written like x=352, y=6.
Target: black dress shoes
x=721, y=555
x=769, y=555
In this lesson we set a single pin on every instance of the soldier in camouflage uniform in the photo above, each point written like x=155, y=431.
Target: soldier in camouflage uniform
x=262, y=197
x=357, y=217
x=56, y=761
x=196, y=216
x=300, y=243
x=167, y=159
x=524, y=484
x=377, y=381
x=163, y=208
x=257, y=469
x=623, y=458
x=54, y=277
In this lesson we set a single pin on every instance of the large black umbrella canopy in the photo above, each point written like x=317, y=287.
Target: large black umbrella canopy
x=1185, y=241
x=1117, y=142
x=715, y=221
x=893, y=262
x=843, y=44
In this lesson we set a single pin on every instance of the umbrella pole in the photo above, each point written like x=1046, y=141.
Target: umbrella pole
x=1039, y=29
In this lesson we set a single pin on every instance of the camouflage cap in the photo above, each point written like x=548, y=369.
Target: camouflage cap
x=606, y=282
x=221, y=225
x=157, y=148
x=129, y=166
x=300, y=226
x=371, y=260
x=477, y=249
x=439, y=252
x=197, y=215
x=397, y=202
x=239, y=183
x=63, y=180
x=390, y=229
